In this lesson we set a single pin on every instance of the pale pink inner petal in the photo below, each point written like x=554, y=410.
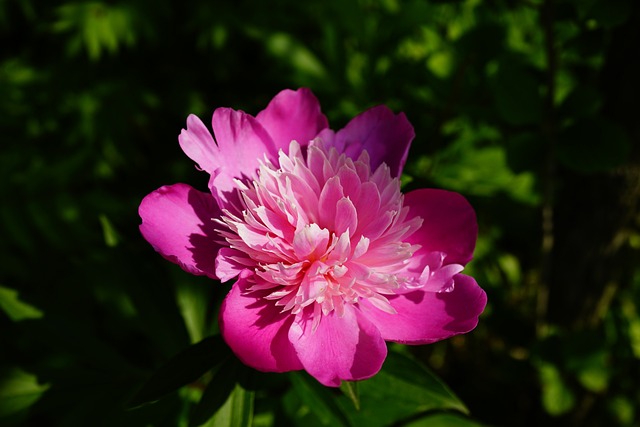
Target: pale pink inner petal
x=322, y=232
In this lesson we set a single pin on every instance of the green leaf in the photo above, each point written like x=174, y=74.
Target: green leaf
x=595, y=377
x=443, y=420
x=182, y=369
x=476, y=164
x=16, y=309
x=237, y=410
x=319, y=400
x=18, y=391
x=350, y=389
x=634, y=336
x=586, y=356
x=111, y=238
x=581, y=102
x=622, y=409
x=194, y=302
x=403, y=389
x=218, y=390
x=557, y=397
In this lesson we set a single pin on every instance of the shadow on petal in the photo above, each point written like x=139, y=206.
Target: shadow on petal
x=415, y=297
x=204, y=245
x=255, y=329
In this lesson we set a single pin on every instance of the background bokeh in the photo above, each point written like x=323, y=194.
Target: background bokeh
x=528, y=108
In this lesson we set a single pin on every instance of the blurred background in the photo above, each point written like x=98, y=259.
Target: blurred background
x=528, y=108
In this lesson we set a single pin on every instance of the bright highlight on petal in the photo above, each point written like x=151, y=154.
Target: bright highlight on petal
x=330, y=258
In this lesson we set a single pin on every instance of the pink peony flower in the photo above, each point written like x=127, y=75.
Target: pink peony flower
x=329, y=258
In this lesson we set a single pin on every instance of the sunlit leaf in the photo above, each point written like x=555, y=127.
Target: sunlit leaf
x=443, y=420
x=97, y=25
x=292, y=52
x=237, y=411
x=588, y=359
x=525, y=34
x=350, y=389
x=623, y=409
x=557, y=397
x=108, y=231
x=474, y=164
x=14, y=308
x=634, y=336
x=194, y=302
x=441, y=63
x=18, y=391
x=411, y=387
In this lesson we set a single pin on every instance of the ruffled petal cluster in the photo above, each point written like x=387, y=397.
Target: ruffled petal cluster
x=328, y=258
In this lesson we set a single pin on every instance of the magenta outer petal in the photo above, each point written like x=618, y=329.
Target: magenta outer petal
x=384, y=135
x=176, y=220
x=449, y=225
x=426, y=317
x=344, y=348
x=256, y=331
x=293, y=115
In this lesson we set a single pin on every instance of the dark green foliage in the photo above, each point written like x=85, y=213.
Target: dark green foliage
x=183, y=369
x=527, y=108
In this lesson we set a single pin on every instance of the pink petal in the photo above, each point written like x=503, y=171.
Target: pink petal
x=293, y=115
x=197, y=143
x=242, y=145
x=449, y=226
x=384, y=135
x=426, y=317
x=343, y=348
x=328, y=201
x=367, y=205
x=230, y=263
x=310, y=241
x=177, y=221
x=346, y=217
x=255, y=329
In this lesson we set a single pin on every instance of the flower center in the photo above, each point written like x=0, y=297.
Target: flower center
x=322, y=231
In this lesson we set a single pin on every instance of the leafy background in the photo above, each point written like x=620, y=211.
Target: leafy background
x=528, y=108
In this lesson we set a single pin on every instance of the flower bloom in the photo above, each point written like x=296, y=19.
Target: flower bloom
x=329, y=258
